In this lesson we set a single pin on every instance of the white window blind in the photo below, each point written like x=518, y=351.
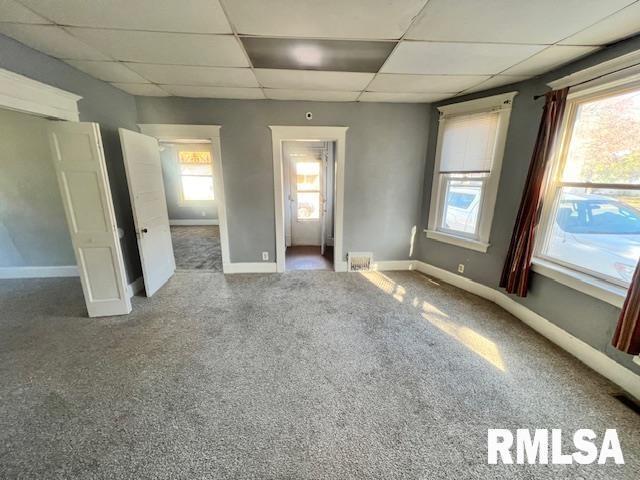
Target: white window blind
x=468, y=143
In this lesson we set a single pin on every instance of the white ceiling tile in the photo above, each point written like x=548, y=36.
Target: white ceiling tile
x=364, y=19
x=509, y=21
x=51, y=40
x=549, y=59
x=108, y=71
x=167, y=48
x=196, y=16
x=456, y=58
x=190, y=75
x=496, y=81
x=213, y=92
x=311, y=95
x=390, y=82
x=142, y=89
x=616, y=27
x=403, y=97
x=12, y=11
x=312, y=80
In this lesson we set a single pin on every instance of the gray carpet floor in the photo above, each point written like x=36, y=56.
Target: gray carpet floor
x=197, y=247
x=304, y=375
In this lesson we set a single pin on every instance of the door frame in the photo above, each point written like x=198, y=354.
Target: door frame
x=280, y=134
x=173, y=132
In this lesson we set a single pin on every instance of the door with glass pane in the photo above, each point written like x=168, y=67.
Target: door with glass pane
x=306, y=176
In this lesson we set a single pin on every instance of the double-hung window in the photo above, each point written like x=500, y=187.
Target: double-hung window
x=471, y=138
x=591, y=219
x=196, y=176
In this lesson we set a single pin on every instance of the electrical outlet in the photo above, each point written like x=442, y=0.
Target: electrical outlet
x=203, y=214
x=461, y=268
x=265, y=256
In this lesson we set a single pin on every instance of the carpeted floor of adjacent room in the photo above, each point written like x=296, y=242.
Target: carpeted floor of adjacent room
x=304, y=375
x=197, y=247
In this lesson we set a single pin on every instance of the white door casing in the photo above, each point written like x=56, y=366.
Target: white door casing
x=279, y=134
x=172, y=133
x=141, y=155
x=81, y=170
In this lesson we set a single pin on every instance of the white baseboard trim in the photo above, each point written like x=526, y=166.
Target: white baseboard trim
x=598, y=361
x=39, y=272
x=195, y=221
x=135, y=287
x=390, y=265
x=249, y=267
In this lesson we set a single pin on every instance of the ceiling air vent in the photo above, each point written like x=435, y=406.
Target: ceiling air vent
x=359, y=261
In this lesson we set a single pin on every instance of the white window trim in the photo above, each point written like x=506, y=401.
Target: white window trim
x=583, y=282
x=500, y=103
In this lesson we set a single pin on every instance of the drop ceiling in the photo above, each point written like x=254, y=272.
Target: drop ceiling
x=330, y=50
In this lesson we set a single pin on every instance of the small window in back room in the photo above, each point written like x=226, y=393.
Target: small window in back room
x=196, y=176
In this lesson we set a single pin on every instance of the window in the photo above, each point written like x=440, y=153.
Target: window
x=196, y=176
x=591, y=222
x=469, y=152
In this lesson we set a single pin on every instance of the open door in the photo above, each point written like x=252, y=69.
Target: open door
x=146, y=188
x=82, y=176
x=323, y=203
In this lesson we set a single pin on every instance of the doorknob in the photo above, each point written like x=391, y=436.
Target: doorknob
x=144, y=230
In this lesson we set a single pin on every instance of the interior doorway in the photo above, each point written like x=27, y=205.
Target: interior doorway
x=191, y=160
x=309, y=173
x=307, y=199
x=187, y=169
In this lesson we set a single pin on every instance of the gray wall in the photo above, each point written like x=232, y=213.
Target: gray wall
x=587, y=318
x=171, y=176
x=33, y=229
x=385, y=151
x=101, y=103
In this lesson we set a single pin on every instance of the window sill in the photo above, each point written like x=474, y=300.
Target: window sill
x=458, y=241
x=582, y=282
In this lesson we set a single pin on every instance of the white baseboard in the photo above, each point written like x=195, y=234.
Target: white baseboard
x=195, y=221
x=135, y=287
x=249, y=267
x=39, y=272
x=598, y=361
x=390, y=265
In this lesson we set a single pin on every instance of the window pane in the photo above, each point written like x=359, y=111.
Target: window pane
x=597, y=230
x=605, y=144
x=308, y=176
x=308, y=205
x=196, y=169
x=461, y=205
x=197, y=188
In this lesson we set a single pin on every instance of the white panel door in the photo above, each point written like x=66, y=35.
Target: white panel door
x=306, y=177
x=146, y=189
x=82, y=176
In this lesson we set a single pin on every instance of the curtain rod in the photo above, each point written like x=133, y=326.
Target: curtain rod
x=536, y=97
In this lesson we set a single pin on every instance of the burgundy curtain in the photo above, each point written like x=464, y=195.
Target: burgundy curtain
x=627, y=336
x=515, y=274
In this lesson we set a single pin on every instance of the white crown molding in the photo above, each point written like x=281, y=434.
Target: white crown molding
x=629, y=63
x=24, y=94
